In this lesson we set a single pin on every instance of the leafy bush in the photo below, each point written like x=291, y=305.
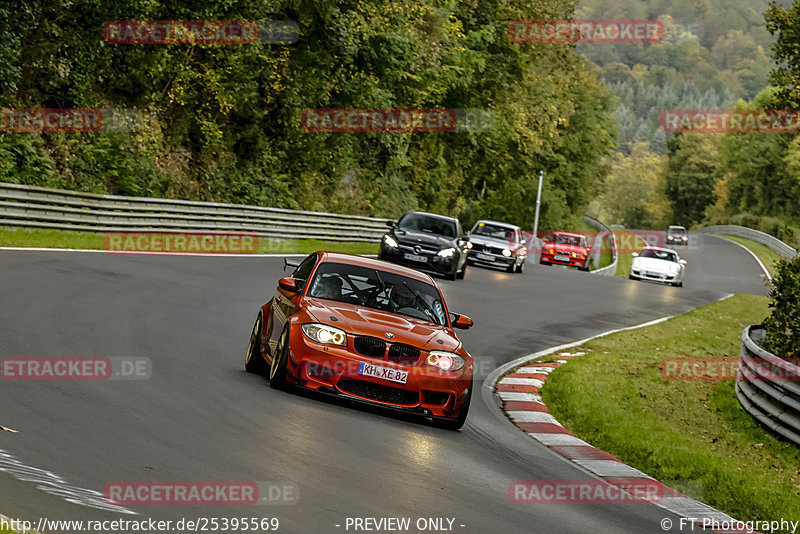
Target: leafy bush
x=783, y=325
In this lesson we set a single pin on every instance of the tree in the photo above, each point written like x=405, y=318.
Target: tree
x=785, y=23
x=692, y=171
x=634, y=190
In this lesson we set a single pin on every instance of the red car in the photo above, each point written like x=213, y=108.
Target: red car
x=366, y=330
x=564, y=248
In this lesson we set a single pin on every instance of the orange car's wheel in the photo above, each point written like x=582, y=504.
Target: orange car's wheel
x=253, y=362
x=458, y=422
x=277, y=371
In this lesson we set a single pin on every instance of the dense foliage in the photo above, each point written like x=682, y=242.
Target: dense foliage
x=783, y=324
x=223, y=122
x=713, y=52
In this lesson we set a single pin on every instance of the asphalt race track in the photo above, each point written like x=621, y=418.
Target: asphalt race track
x=201, y=417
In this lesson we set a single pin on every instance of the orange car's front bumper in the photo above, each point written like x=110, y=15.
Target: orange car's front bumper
x=427, y=390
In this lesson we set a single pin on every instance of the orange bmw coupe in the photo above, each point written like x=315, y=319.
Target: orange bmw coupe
x=365, y=330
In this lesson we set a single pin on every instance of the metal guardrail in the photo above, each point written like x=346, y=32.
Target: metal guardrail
x=773, y=243
x=774, y=403
x=40, y=207
x=609, y=270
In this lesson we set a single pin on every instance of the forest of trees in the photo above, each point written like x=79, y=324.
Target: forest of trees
x=720, y=56
x=222, y=122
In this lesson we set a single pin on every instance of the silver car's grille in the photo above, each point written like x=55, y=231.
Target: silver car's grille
x=489, y=249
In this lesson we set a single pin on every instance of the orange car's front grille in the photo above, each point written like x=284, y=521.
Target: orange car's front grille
x=378, y=392
x=403, y=354
x=370, y=346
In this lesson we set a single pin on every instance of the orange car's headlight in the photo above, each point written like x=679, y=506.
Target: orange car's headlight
x=322, y=333
x=447, y=361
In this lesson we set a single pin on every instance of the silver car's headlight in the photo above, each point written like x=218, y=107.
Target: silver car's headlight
x=322, y=333
x=447, y=361
x=506, y=253
x=446, y=252
x=389, y=240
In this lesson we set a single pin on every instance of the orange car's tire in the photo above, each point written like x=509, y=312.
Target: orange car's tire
x=458, y=422
x=253, y=362
x=277, y=371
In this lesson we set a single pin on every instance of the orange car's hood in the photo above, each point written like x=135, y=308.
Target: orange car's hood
x=362, y=321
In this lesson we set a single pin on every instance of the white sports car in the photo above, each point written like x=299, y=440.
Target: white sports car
x=659, y=265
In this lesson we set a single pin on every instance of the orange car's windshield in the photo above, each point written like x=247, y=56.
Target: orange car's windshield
x=380, y=290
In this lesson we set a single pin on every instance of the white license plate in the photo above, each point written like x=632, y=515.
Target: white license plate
x=385, y=373
x=414, y=257
x=485, y=257
x=561, y=258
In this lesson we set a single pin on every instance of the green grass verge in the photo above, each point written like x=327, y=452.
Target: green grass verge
x=697, y=432
x=767, y=256
x=629, y=243
x=10, y=237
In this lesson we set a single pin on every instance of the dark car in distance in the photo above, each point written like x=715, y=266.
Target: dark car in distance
x=499, y=244
x=677, y=235
x=429, y=242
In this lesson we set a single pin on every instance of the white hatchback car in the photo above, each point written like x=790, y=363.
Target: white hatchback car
x=659, y=265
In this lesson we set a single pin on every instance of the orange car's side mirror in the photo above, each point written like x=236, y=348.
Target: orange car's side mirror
x=289, y=284
x=463, y=322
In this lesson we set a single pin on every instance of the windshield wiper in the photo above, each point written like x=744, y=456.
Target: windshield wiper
x=418, y=297
x=385, y=290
